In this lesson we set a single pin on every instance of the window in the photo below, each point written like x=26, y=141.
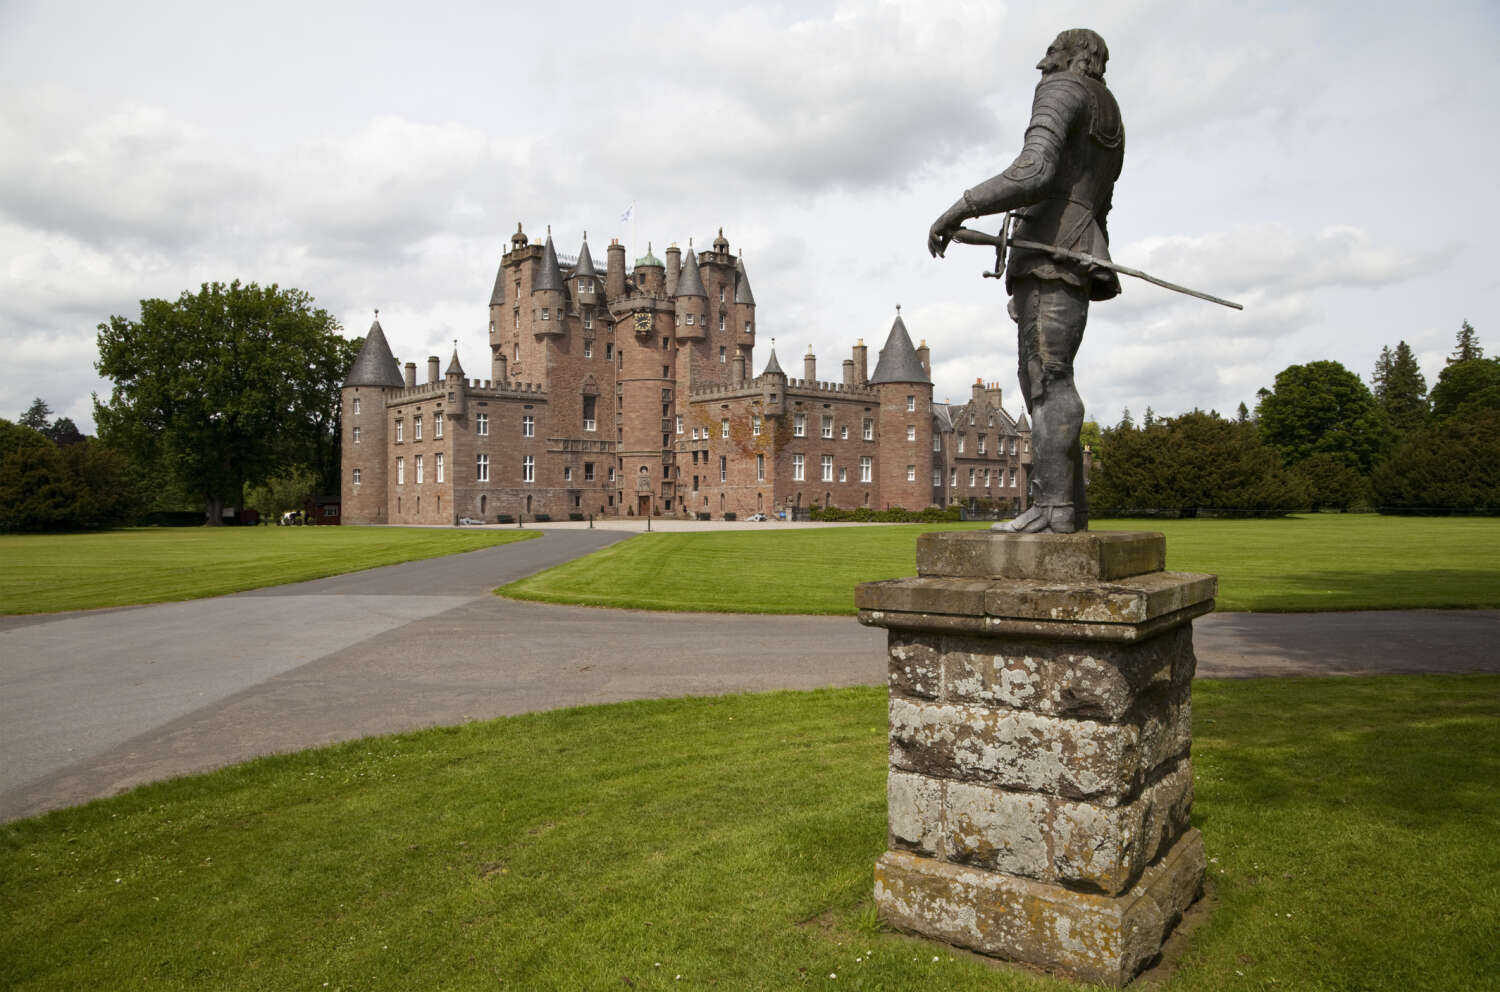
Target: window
x=400, y=471
x=516, y=352
x=416, y=428
x=721, y=327
x=609, y=350
x=695, y=433
x=986, y=478
x=588, y=471
x=827, y=427
x=1026, y=446
x=723, y=352
x=869, y=429
x=528, y=468
x=1013, y=478
x=400, y=429
x=590, y=408
x=760, y=468
x=971, y=478
x=356, y=406
x=755, y=425
x=937, y=477
x=419, y=470
x=1012, y=445
x=827, y=463
x=843, y=475
x=797, y=471
x=666, y=371
x=960, y=444
x=911, y=404
x=979, y=446
x=799, y=425
x=567, y=473
x=937, y=442
x=843, y=432
x=911, y=432
x=515, y=318
x=437, y=466
x=546, y=313
x=356, y=477
x=528, y=426
x=721, y=294
x=865, y=465
x=437, y=424
x=482, y=424
x=911, y=473
x=723, y=468
x=690, y=320
x=953, y=478
x=611, y=473
x=679, y=423
x=356, y=435
x=588, y=346
x=695, y=483
x=482, y=468
x=724, y=427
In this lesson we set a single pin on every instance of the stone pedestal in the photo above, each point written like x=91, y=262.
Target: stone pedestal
x=1040, y=734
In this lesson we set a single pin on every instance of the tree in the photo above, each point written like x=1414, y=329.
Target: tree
x=36, y=415
x=1467, y=347
x=44, y=487
x=224, y=388
x=1400, y=388
x=1466, y=387
x=1452, y=465
x=1242, y=415
x=1183, y=464
x=1323, y=408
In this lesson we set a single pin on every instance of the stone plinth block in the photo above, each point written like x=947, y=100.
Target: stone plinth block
x=1041, y=780
x=1088, y=556
x=1094, y=938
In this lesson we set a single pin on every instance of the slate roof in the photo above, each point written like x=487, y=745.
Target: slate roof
x=898, y=359
x=691, y=283
x=773, y=367
x=454, y=368
x=1021, y=424
x=549, y=276
x=375, y=365
x=742, y=292
x=585, y=266
x=497, y=295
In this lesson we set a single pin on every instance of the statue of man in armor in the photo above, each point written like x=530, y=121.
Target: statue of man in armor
x=1060, y=189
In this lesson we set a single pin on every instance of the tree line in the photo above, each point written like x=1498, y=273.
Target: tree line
x=223, y=398
x=1319, y=438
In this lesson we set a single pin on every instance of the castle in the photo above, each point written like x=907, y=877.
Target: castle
x=633, y=394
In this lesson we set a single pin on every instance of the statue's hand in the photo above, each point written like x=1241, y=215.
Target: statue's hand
x=940, y=235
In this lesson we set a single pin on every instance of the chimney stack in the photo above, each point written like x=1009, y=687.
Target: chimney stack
x=411, y=374
x=922, y=352
x=849, y=372
x=809, y=366
x=978, y=390
x=861, y=363
x=739, y=368
x=432, y=369
x=674, y=268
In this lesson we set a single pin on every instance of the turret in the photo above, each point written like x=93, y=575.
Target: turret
x=650, y=274
x=773, y=386
x=691, y=301
x=614, y=279
x=587, y=292
x=744, y=308
x=371, y=378
x=547, y=294
x=454, y=380
x=905, y=421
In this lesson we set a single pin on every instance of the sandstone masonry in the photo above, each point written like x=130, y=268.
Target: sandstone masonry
x=1040, y=786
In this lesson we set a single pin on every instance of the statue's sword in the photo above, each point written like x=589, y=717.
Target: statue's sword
x=1003, y=241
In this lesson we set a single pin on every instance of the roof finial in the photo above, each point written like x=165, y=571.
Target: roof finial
x=377, y=313
x=585, y=235
x=898, y=308
x=549, y=230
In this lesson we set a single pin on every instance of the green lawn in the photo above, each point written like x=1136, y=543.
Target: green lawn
x=45, y=573
x=1314, y=562
x=730, y=841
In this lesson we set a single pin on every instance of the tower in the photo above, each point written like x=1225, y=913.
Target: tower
x=904, y=423
x=364, y=451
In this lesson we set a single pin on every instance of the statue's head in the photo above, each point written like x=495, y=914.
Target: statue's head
x=1076, y=50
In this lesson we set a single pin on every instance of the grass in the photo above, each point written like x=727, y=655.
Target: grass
x=730, y=841
x=1314, y=562
x=45, y=573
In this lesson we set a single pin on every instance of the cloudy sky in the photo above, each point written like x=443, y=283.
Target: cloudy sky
x=1331, y=166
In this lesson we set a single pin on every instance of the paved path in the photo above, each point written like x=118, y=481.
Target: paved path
x=93, y=703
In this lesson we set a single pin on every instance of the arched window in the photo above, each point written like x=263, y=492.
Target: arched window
x=483, y=501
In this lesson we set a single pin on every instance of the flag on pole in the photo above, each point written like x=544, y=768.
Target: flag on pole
x=628, y=214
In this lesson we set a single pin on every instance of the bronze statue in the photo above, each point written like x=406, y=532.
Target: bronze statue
x=1060, y=188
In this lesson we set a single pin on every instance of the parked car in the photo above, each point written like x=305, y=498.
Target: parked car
x=469, y=522
x=291, y=518
x=757, y=517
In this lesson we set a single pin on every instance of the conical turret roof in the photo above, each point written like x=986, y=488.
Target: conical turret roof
x=549, y=276
x=691, y=283
x=773, y=367
x=375, y=365
x=898, y=359
x=454, y=368
x=1021, y=424
x=497, y=295
x=585, y=266
x=742, y=292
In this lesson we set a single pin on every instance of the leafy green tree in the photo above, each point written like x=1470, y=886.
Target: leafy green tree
x=224, y=388
x=36, y=415
x=1454, y=465
x=1242, y=415
x=45, y=487
x=1187, y=463
x=1466, y=387
x=1400, y=388
x=1330, y=483
x=1466, y=349
x=1323, y=408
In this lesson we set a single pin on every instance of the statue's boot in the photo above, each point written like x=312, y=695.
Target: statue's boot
x=1042, y=519
x=1029, y=522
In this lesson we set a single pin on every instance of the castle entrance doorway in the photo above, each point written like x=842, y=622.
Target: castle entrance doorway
x=644, y=507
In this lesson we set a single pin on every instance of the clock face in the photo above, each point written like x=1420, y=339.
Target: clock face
x=643, y=321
